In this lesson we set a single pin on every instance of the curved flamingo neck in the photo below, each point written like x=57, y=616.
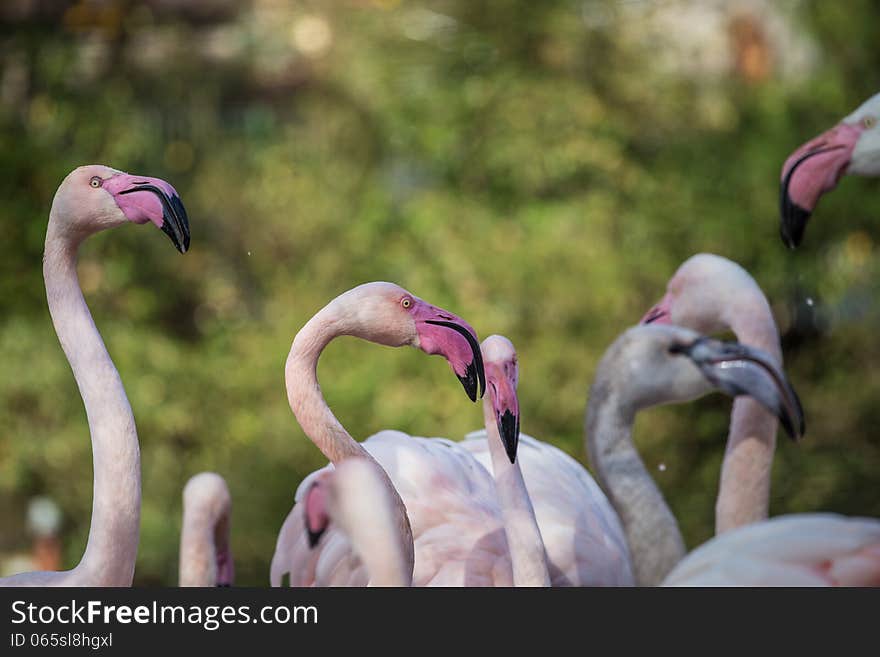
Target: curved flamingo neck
x=364, y=510
x=744, y=488
x=205, y=550
x=111, y=551
x=527, y=553
x=312, y=412
x=652, y=532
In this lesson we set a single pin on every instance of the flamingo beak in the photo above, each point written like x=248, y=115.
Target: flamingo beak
x=813, y=169
x=316, y=517
x=143, y=199
x=660, y=313
x=502, y=394
x=738, y=369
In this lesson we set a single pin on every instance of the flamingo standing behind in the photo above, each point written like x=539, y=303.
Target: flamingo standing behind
x=90, y=199
x=205, y=550
x=809, y=549
x=354, y=497
x=548, y=499
x=457, y=536
x=850, y=147
x=651, y=365
x=711, y=294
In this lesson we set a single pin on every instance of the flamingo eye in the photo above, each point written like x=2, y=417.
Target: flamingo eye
x=869, y=122
x=96, y=182
x=406, y=302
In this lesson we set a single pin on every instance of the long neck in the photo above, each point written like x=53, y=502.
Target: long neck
x=652, y=532
x=313, y=413
x=366, y=512
x=527, y=553
x=205, y=555
x=744, y=489
x=111, y=551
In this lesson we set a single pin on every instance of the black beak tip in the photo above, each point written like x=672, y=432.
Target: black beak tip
x=469, y=381
x=314, y=537
x=508, y=428
x=793, y=221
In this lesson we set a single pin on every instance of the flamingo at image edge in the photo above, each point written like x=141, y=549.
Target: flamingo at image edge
x=806, y=549
x=651, y=365
x=711, y=294
x=851, y=147
x=205, y=550
x=457, y=535
x=90, y=199
x=584, y=540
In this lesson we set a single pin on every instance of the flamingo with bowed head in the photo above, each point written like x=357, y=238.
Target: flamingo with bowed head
x=354, y=497
x=805, y=549
x=711, y=294
x=547, y=498
x=651, y=365
x=90, y=199
x=205, y=550
x=456, y=536
x=501, y=414
x=850, y=147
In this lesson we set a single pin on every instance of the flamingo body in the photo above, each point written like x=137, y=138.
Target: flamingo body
x=458, y=533
x=585, y=542
x=815, y=549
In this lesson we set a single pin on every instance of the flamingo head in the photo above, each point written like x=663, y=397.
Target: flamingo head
x=387, y=314
x=852, y=146
x=669, y=364
x=706, y=294
x=502, y=374
x=317, y=516
x=95, y=197
x=737, y=369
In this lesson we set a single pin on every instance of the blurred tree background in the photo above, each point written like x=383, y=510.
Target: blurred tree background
x=540, y=168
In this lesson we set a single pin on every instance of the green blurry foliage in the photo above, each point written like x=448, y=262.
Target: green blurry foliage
x=536, y=172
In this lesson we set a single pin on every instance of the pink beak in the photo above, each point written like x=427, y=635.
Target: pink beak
x=813, y=169
x=441, y=332
x=144, y=199
x=659, y=314
x=225, y=567
x=505, y=404
x=317, y=519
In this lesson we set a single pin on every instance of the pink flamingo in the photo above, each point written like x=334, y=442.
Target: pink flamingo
x=809, y=549
x=552, y=502
x=205, y=550
x=90, y=199
x=501, y=414
x=354, y=497
x=711, y=294
x=651, y=365
x=500, y=439
x=850, y=147
x=457, y=536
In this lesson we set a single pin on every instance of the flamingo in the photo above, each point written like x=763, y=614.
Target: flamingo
x=353, y=495
x=656, y=364
x=711, y=294
x=90, y=199
x=457, y=535
x=500, y=439
x=205, y=551
x=804, y=549
x=551, y=503
x=501, y=413
x=850, y=147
